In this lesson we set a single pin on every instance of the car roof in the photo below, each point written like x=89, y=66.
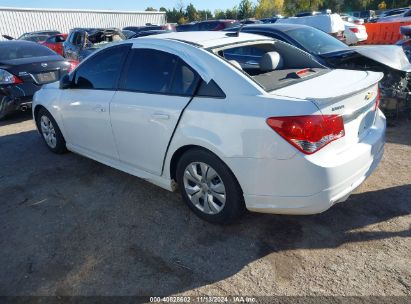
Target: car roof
x=207, y=39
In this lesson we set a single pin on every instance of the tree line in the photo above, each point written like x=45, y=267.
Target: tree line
x=182, y=13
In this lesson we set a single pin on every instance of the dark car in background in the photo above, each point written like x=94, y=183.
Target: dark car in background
x=210, y=25
x=37, y=36
x=333, y=53
x=150, y=27
x=149, y=33
x=24, y=67
x=81, y=42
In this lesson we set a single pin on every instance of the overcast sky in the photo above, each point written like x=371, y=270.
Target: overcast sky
x=117, y=4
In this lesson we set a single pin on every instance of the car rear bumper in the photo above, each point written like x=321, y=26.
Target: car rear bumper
x=15, y=98
x=310, y=184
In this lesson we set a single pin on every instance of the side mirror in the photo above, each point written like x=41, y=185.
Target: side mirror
x=65, y=82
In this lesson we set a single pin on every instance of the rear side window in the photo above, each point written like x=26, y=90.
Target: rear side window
x=153, y=71
x=102, y=70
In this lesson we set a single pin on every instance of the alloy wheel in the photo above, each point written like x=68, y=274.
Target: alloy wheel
x=48, y=131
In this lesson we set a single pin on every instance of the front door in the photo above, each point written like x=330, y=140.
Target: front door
x=86, y=106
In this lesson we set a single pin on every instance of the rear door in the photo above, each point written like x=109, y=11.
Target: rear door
x=155, y=89
x=85, y=106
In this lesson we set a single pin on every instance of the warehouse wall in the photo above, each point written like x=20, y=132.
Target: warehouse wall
x=14, y=22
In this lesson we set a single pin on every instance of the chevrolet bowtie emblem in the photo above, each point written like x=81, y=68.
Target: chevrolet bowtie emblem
x=369, y=96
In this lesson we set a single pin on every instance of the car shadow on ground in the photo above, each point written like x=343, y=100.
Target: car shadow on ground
x=71, y=226
x=16, y=118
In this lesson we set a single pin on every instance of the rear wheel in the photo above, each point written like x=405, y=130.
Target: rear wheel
x=50, y=132
x=208, y=187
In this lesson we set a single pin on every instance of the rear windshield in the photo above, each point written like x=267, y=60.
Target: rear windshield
x=10, y=51
x=272, y=65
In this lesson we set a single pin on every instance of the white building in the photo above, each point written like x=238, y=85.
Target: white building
x=16, y=21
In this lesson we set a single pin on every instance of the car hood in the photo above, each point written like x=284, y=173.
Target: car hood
x=389, y=55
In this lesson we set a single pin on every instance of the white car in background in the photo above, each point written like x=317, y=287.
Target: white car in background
x=281, y=135
x=354, y=33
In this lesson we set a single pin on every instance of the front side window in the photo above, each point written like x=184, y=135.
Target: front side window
x=153, y=71
x=101, y=71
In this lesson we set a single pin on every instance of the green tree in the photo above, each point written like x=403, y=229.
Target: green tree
x=268, y=8
x=174, y=15
x=245, y=9
x=163, y=9
x=232, y=13
x=191, y=13
x=204, y=14
x=219, y=14
x=151, y=9
x=292, y=7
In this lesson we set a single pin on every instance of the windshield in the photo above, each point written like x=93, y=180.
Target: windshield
x=12, y=51
x=315, y=41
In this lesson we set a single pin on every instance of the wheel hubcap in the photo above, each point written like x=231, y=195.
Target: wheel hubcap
x=204, y=187
x=48, y=131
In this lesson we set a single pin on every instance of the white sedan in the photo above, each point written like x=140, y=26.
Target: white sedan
x=279, y=133
x=354, y=33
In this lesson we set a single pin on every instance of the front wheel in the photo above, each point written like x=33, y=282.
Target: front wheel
x=209, y=187
x=50, y=132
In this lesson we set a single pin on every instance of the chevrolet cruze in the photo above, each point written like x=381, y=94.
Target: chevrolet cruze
x=278, y=133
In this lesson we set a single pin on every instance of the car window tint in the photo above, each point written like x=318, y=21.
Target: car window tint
x=185, y=80
x=72, y=37
x=154, y=71
x=101, y=71
x=246, y=51
x=59, y=39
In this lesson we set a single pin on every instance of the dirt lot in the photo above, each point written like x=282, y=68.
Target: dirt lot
x=71, y=226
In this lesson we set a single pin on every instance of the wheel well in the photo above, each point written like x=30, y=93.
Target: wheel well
x=36, y=111
x=176, y=157
x=180, y=151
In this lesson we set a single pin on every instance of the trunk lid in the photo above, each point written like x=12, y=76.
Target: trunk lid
x=351, y=94
x=40, y=70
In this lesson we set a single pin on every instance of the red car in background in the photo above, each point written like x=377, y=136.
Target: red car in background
x=55, y=43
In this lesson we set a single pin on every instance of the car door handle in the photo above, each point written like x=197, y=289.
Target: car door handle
x=99, y=108
x=160, y=116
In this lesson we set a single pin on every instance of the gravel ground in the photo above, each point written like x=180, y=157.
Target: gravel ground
x=71, y=226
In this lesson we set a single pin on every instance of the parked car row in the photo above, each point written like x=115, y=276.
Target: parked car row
x=334, y=54
x=81, y=42
x=24, y=67
x=233, y=120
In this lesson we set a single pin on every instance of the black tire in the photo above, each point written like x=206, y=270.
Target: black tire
x=60, y=143
x=234, y=205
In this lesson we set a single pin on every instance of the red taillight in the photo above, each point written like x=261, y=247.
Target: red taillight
x=17, y=80
x=308, y=133
x=73, y=65
x=354, y=30
x=378, y=99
